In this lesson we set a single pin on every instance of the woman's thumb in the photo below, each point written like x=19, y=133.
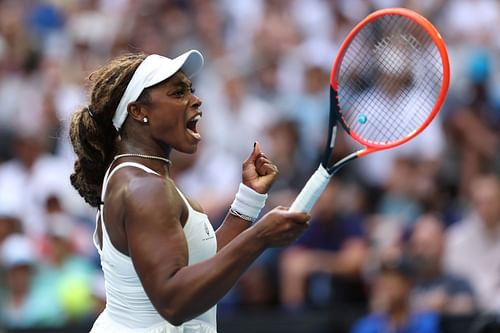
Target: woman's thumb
x=255, y=153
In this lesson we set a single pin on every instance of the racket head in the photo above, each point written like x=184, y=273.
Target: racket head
x=390, y=78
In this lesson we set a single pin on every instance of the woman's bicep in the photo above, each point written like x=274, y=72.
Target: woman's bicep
x=156, y=241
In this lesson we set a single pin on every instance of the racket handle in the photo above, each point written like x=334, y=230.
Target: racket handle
x=311, y=191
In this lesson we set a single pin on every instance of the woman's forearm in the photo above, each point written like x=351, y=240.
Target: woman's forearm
x=194, y=289
x=230, y=228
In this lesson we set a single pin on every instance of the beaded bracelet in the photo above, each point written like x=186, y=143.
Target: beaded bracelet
x=241, y=216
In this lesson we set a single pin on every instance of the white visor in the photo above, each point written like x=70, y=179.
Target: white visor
x=153, y=70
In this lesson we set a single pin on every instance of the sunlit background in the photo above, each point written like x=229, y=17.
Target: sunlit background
x=418, y=225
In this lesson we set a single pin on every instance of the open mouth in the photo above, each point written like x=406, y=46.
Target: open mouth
x=191, y=126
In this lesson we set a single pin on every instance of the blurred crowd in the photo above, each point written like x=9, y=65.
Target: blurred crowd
x=407, y=235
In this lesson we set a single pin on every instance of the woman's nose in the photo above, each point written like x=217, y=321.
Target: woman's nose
x=196, y=102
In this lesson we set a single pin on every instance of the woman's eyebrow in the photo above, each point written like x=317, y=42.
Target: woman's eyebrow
x=182, y=82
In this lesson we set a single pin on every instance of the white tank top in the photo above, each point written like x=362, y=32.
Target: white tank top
x=126, y=301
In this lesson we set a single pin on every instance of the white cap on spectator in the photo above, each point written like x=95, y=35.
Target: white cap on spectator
x=17, y=250
x=153, y=70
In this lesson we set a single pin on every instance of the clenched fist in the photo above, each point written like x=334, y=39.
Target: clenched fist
x=259, y=173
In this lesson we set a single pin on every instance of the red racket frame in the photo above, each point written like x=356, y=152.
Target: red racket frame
x=439, y=42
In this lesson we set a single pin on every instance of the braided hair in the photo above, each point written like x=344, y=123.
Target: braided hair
x=92, y=133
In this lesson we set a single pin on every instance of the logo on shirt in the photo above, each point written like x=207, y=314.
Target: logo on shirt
x=207, y=230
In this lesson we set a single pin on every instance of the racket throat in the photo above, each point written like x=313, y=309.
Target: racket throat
x=332, y=127
x=337, y=166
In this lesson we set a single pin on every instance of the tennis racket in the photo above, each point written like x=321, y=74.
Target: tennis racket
x=388, y=82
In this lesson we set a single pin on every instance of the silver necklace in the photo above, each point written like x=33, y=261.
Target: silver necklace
x=151, y=157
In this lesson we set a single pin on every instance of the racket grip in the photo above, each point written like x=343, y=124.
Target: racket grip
x=311, y=191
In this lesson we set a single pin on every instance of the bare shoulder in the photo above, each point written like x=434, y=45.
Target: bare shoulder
x=158, y=192
x=149, y=193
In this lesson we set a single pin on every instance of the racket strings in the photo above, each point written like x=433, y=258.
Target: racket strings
x=392, y=56
x=389, y=79
x=392, y=120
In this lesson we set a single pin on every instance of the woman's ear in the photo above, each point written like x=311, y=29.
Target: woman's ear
x=137, y=112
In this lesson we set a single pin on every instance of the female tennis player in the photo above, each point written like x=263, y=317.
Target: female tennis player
x=165, y=268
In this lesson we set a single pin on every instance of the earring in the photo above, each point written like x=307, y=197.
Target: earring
x=145, y=120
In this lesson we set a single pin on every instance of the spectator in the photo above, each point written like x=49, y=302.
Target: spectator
x=28, y=179
x=24, y=305
x=390, y=301
x=66, y=275
x=473, y=244
x=310, y=110
x=334, y=246
x=474, y=122
x=398, y=201
x=284, y=138
x=238, y=116
x=434, y=289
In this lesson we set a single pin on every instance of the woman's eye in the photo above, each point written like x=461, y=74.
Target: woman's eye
x=182, y=92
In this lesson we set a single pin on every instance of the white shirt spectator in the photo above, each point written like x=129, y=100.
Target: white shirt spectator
x=26, y=190
x=474, y=252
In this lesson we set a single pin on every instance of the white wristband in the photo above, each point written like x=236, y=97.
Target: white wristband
x=248, y=202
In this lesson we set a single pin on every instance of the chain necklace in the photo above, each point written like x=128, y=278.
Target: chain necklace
x=151, y=157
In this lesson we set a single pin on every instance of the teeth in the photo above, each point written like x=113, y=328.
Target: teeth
x=194, y=134
x=191, y=127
